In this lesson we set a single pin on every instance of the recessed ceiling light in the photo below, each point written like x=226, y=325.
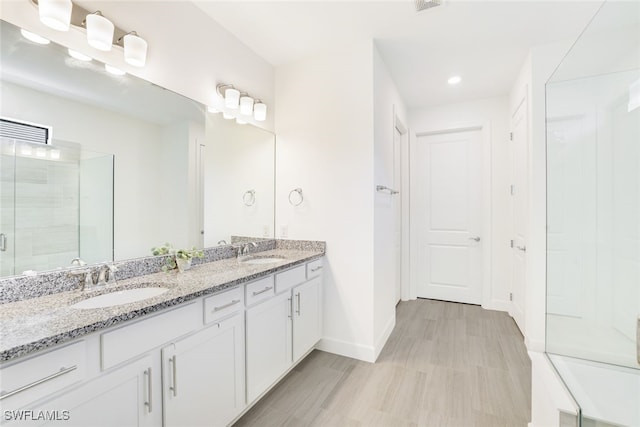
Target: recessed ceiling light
x=454, y=80
x=34, y=37
x=79, y=56
x=113, y=70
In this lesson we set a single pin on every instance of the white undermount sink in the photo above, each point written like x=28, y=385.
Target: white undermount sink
x=125, y=296
x=262, y=259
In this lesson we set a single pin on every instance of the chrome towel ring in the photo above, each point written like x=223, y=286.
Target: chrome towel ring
x=296, y=197
x=249, y=197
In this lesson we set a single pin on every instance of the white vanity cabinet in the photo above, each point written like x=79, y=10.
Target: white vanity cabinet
x=307, y=327
x=203, y=376
x=268, y=343
x=123, y=397
x=283, y=328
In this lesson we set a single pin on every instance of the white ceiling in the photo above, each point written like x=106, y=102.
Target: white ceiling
x=485, y=42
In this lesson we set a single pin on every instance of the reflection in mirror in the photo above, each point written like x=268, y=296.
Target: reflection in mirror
x=156, y=141
x=241, y=158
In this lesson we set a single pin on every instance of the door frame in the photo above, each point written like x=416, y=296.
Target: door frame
x=485, y=129
x=405, y=272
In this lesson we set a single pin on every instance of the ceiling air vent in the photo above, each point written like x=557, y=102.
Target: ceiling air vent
x=427, y=4
x=25, y=131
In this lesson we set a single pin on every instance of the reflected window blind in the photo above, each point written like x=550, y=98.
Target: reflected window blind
x=24, y=131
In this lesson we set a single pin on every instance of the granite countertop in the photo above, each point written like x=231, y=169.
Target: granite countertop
x=38, y=323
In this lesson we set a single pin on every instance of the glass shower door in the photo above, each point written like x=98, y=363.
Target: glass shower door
x=7, y=211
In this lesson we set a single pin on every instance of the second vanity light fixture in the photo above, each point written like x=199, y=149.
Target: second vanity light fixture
x=102, y=34
x=234, y=99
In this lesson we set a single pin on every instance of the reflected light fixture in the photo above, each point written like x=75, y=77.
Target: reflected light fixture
x=114, y=70
x=34, y=37
x=212, y=110
x=55, y=14
x=454, y=80
x=54, y=154
x=99, y=31
x=227, y=116
x=79, y=56
x=240, y=121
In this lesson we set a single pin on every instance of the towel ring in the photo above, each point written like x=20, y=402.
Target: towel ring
x=249, y=197
x=300, y=196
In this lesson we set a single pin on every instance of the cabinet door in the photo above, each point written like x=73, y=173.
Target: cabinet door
x=120, y=398
x=203, y=376
x=268, y=343
x=307, y=319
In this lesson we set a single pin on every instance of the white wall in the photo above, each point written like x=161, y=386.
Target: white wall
x=494, y=113
x=189, y=53
x=386, y=107
x=325, y=146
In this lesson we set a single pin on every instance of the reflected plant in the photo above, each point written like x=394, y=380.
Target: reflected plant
x=183, y=254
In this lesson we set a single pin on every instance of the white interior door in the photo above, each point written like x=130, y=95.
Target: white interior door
x=519, y=192
x=448, y=215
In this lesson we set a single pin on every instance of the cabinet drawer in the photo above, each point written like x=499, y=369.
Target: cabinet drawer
x=131, y=340
x=288, y=279
x=40, y=376
x=218, y=306
x=314, y=268
x=259, y=290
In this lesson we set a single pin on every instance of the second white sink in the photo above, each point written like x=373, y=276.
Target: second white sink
x=125, y=296
x=262, y=259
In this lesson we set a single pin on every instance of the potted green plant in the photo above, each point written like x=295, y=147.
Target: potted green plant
x=180, y=258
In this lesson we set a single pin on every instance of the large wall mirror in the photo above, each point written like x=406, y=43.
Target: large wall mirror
x=130, y=165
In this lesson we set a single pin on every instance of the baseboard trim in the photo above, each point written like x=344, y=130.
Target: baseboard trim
x=386, y=333
x=498, y=305
x=347, y=349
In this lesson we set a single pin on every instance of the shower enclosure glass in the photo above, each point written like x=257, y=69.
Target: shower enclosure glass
x=593, y=217
x=56, y=204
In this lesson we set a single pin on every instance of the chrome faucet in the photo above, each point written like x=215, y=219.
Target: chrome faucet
x=78, y=262
x=245, y=247
x=105, y=276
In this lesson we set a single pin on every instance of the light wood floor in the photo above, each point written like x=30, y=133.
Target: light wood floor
x=445, y=364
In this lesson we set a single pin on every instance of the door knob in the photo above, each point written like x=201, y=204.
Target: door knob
x=476, y=238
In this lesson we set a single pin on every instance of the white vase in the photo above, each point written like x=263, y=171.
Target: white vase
x=183, y=264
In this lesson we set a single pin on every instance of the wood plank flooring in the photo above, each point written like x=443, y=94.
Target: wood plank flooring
x=445, y=364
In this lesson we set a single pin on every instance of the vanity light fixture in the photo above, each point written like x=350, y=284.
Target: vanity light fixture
x=246, y=105
x=55, y=14
x=34, y=37
x=99, y=31
x=79, y=56
x=114, y=70
x=102, y=34
x=260, y=111
x=135, y=49
x=233, y=99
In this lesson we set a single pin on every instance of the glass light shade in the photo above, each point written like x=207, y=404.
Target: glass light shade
x=227, y=116
x=246, y=105
x=135, y=50
x=79, y=56
x=114, y=70
x=55, y=14
x=260, y=111
x=34, y=37
x=231, y=98
x=99, y=32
